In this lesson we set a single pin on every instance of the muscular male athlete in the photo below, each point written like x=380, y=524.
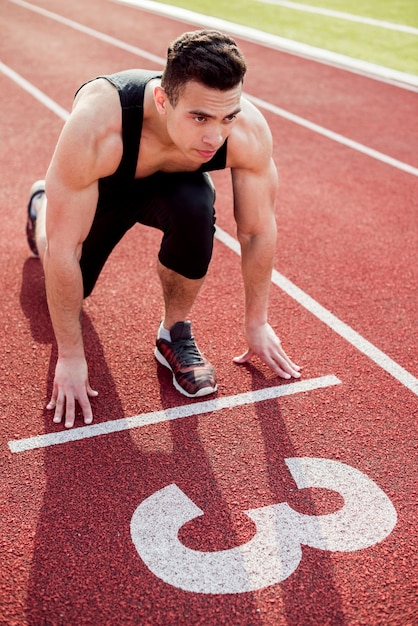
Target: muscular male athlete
x=138, y=147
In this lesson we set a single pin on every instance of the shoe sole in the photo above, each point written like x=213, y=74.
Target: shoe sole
x=205, y=391
x=37, y=187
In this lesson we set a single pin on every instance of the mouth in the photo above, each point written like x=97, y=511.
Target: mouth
x=206, y=154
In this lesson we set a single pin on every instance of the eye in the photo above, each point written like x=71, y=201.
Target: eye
x=200, y=119
x=230, y=118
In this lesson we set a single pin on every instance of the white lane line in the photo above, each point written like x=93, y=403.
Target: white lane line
x=365, y=68
x=90, y=31
x=166, y=415
x=370, y=21
x=341, y=328
x=330, y=134
x=380, y=358
x=35, y=92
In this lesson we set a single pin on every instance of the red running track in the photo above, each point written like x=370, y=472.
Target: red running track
x=291, y=505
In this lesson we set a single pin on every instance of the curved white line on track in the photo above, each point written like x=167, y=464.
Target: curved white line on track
x=349, y=17
x=354, y=338
x=166, y=415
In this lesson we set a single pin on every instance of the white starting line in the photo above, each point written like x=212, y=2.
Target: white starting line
x=166, y=415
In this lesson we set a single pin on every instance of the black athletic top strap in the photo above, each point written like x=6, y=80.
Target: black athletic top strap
x=131, y=88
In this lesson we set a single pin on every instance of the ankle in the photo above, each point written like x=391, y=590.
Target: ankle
x=163, y=333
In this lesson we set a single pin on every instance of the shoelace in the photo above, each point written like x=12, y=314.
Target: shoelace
x=187, y=351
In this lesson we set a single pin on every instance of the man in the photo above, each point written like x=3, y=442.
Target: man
x=137, y=148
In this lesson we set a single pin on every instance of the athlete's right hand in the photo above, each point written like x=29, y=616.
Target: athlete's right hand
x=71, y=385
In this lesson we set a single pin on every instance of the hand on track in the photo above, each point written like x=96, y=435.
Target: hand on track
x=71, y=384
x=263, y=342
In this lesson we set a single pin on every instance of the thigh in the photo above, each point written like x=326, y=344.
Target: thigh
x=164, y=198
x=183, y=208
x=180, y=205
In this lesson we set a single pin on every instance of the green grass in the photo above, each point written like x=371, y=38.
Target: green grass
x=385, y=47
x=396, y=11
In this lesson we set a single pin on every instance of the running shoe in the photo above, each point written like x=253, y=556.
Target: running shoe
x=37, y=189
x=193, y=375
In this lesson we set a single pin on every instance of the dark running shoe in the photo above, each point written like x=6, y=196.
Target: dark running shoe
x=193, y=375
x=37, y=189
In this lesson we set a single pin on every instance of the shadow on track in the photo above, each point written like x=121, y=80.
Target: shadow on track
x=309, y=595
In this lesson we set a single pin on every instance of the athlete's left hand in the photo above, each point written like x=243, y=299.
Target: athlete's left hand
x=263, y=342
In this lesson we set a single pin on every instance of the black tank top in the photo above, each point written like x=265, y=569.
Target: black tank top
x=131, y=87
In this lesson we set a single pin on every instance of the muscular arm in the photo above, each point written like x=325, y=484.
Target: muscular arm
x=64, y=288
x=88, y=149
x=254, y=198
x=255, y=190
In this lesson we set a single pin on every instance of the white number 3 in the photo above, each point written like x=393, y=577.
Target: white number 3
x=274, y=552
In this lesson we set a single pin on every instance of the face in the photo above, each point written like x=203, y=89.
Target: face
x=201, y=120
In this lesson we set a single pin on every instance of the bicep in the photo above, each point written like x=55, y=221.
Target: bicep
x=254, y=174
x=84, y=153
x=72, y=194
x=255, y=193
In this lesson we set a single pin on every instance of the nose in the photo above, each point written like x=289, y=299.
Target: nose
x=214, y=139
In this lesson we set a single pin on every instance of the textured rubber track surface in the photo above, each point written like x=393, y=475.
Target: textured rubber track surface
x=286, y=506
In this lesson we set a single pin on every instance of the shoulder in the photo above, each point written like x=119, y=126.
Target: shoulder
x=97, y=103
x=250, y=143
x=91, y=138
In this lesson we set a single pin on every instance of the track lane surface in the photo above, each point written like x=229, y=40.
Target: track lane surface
x=66, y=525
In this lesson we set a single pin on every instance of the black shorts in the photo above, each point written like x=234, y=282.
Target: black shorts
x=181, y=205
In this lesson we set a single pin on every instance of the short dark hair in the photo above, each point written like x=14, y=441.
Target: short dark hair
x=208, y=57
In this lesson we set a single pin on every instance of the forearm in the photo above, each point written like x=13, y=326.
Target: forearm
x=64, y=289
x=257, y=258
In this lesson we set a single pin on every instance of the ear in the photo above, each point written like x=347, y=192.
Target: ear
x=160, y=99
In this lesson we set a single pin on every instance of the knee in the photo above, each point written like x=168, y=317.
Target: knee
x=193, y=206
x=191, y=215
